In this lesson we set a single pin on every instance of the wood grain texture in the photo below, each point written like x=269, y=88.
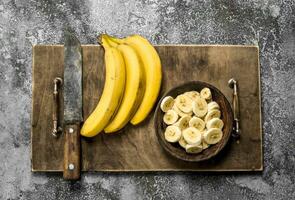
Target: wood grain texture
x=47, y=64
x=175, y=149
x=136, y=148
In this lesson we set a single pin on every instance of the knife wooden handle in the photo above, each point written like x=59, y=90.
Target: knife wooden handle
x=72, y=152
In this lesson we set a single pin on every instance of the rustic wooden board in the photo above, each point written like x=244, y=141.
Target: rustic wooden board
x=137, y=148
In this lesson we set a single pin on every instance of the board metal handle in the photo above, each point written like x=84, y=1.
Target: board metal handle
x=236, y=109
x=57, y=129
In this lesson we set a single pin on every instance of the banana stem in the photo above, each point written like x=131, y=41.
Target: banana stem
x=102, y=40
x=111, y=42
x=99, y=39
x=115, y=40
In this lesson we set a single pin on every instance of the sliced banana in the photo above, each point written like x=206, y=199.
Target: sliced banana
x=180, y=113
x=167, y=103
x=170, y=117
x=213, y=106
x=200, y=107
x=196, y=133
x=205, y=145
x=212, y=114
x=192, y=136
x=197, y=123
x=183, y=122
x=214, y=123
x=192, y=94
x=172, y=134
x=193, y=148
x=182, y=142
x=206, y=93
x=184, y=103
x=213, y=136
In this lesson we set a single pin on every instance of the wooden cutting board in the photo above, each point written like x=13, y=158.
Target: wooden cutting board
x=136, y=148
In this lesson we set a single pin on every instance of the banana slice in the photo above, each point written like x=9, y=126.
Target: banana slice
x=170, y=117
x=167, y=103
x=172, y=134
x=206, y=93
x=192, y=94
x=182, y=142
x=205, y=145
x=193, y=148
x=212, y=114
x=213, y=135
x=184, y=103
x=200, y=107
x=183, y=122
x=197, y=123
x=180, y=113
x=192, y=136
x=213, y=106
x=215, y=123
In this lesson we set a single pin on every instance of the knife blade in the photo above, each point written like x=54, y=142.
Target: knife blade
x=72, y=105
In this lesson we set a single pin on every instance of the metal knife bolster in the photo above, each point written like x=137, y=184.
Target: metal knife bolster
x=72, y=106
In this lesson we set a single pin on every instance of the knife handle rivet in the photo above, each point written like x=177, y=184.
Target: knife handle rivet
x=71, y=166
x=71, y=130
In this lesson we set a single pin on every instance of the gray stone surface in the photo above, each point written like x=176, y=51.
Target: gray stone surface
x=268, y=23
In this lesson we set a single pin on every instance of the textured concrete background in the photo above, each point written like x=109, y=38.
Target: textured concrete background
x=268, y=23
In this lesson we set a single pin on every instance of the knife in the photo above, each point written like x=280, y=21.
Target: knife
x=72, y=86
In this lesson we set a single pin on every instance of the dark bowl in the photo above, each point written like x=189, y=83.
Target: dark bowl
x=175, y=149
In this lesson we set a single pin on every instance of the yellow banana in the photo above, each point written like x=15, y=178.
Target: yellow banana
x=112, y=93
x=153, y=73
x=134, y=89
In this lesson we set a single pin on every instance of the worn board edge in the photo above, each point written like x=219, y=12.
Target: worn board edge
x=168, y=170
x=32, y=109
x=161, y=170
x=260, y=110
x=169, y=45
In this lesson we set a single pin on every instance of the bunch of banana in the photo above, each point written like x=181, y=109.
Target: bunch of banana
x=133, y=81
x=193, y=133
x=112, y=93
